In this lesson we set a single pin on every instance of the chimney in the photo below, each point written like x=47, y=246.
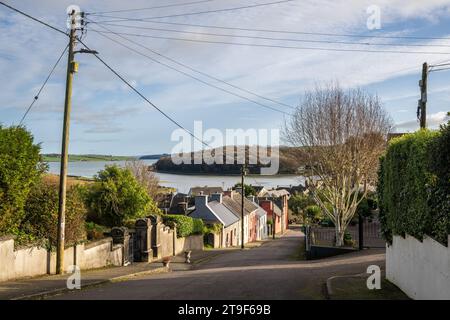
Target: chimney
x=251, y=198
x=201, y=201
x=216, y=197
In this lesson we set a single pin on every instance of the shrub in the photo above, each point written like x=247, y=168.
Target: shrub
x=41, y=214
x=186, y=226
x=116, y=197
x=439, y=188
x=95, y=231
x=248, y=189
x=20, y=169
x=298, y=203
x=313, y=213
x=413, y=186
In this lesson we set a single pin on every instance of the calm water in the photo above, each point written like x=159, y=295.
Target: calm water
x=180, y=182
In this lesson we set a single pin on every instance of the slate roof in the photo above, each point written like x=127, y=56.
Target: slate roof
x=277, y=210
x=195, y=191
x=260, y=212
x=234, y=204
x=175, y=202
x=276, y=193
x=223, y=213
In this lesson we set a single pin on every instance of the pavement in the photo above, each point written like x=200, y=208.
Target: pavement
x=44, y=286
x=273, y=270
x=354, y=287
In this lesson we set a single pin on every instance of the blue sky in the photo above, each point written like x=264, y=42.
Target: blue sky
x=108, y=118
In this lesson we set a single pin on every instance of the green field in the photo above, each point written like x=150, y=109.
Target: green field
x=85, y=157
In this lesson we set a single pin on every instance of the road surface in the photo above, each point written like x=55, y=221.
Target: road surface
x=271, y=271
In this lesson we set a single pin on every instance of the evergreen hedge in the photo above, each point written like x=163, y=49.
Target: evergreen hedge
x=186, y=226
x=413, y=186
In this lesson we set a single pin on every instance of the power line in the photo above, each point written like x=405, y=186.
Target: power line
x=191, y=76
x=36, y=97
x=198, y=71
x=279, y=39
x=33, y=18
x=275, y=46
x=192, y=13
x=115, y=72
x=155, y=7
x=143, y=97
x=440, y=69
x=440, y=65
x=286, y=31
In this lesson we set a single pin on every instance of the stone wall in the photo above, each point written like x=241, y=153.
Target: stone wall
x=420, y=269
x=193, y=243
x=159, y=241
x=34, y=261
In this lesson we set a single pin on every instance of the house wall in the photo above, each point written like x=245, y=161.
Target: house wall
x=253, y=227
x=231, y=232
x=262, y=228
x=420, y=269
x=268, y=206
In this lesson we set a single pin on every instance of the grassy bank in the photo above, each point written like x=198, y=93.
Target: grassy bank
x=86, y=157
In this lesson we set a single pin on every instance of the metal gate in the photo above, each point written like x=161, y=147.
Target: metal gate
x=371, y=235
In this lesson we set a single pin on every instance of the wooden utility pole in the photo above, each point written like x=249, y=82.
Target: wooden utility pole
x=273, y=222
x=242, y=205
x=422, y=112
x=71, y=69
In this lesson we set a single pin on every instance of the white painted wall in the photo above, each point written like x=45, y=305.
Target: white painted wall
x=420, y=269
x=34, y=261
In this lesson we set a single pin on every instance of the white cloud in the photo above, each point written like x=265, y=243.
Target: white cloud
x=433, y=121
x=276, y=73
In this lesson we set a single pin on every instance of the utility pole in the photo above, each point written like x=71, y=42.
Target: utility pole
x=422, y=108
x=273, y=224
x=71, y=69
x=242, y=204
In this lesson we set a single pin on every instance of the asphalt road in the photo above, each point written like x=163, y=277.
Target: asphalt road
x=271, y=271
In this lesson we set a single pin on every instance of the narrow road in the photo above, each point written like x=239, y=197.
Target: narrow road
x=271, y=271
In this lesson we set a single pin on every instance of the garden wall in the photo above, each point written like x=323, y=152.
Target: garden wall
x=168, y=236
x=34, y=261
x=420, y=269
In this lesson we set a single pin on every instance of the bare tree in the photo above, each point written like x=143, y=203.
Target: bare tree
x=341, y=135
x=144, y=176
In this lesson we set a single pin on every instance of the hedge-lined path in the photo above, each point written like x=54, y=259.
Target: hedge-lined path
x=271, y=271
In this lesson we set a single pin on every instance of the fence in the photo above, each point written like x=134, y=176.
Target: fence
x=371, y=229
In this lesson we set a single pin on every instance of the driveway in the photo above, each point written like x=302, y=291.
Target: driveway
x=271, y=271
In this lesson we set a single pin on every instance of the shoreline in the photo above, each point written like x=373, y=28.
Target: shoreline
x=226, y=175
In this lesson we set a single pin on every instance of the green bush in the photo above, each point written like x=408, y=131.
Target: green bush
x=313, y=213
x=413, y=187
x=298, y=203
x=116, y=197
x=186, y=226
x=20, y=169
x=41, y=214
x=95, y=231
x=248, y=188
x=439, y=187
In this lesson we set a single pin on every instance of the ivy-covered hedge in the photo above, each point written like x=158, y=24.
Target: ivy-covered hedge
x=186, y=226
x=413, y=186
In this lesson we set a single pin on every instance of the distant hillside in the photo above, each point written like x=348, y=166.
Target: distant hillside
x=153, y=156
x=289, y=164
x=54, y=157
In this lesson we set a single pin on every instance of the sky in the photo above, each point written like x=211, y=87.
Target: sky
x=108, y=118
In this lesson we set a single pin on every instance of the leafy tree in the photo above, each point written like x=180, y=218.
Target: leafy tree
x=20, y=169
x=40, y=221
x=313, y=213
x=116, y=196
x=297, y=203
x=248, y=189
